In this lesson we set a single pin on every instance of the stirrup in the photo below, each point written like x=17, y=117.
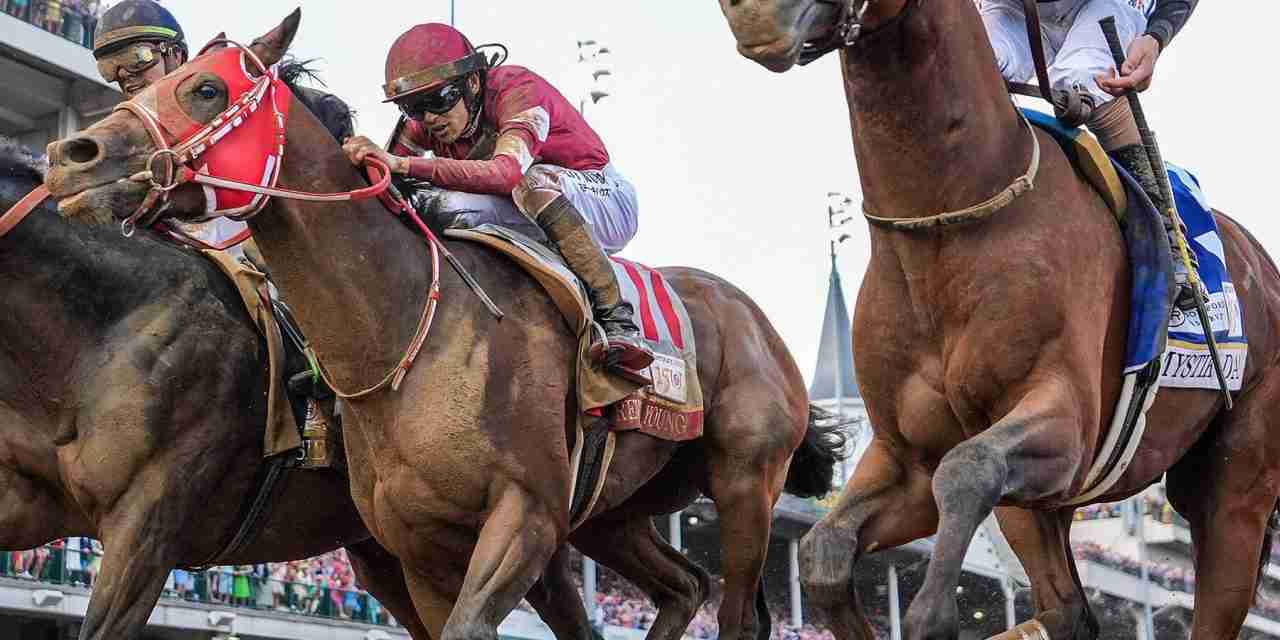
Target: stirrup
x=1184, y=297
x=628, y=358
x=316, y=453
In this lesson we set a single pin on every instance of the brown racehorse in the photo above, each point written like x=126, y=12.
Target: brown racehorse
x=989, y=354
x=463, y=473
x=161, y=477
x=132, y=407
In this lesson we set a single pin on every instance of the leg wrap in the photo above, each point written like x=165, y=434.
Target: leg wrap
x=1113, y=123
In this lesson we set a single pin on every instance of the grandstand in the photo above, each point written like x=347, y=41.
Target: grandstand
x=44, y=592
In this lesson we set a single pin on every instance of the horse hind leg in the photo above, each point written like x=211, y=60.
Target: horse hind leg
x=747, y=462
x=885, y=504
x=631, y=546
x=1041, y=540
x=1226, y=487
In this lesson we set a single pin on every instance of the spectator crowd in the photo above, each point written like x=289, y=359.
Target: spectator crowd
x=74, y=20
x=321, y=586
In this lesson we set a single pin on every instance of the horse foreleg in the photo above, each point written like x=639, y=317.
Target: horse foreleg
x=633, y=548
x=516, y=541
x=1041, y=541
x=1026, y=456
x=555, y=597
x=885, y=504
x=138, y=558
x=381, y=575
x=1226, y=487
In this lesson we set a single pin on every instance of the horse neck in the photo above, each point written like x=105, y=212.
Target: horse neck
x=354, y=276
x=933, y=128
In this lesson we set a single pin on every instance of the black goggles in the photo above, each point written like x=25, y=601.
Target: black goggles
x=437, y=101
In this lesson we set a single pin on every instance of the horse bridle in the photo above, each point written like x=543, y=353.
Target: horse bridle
x=179, y=156
x=845, y=33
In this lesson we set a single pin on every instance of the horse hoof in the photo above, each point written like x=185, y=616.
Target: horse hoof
x=1029, y=630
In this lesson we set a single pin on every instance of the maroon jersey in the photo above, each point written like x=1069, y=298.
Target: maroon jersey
x=534, y=123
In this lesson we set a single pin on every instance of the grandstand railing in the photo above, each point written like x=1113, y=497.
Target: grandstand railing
x=72, y=20
x=214, y=586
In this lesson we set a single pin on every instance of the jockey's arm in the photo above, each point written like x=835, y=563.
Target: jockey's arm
x=1168, y=19
x=498, y=176
x=1136, y=74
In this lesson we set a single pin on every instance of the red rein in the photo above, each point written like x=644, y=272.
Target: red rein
x=248, y=113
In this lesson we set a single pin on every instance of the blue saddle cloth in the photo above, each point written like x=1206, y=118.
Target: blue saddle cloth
x=1150, y=325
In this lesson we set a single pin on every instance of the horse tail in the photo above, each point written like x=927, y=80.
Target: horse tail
x=814, y=462
x=1273, y=523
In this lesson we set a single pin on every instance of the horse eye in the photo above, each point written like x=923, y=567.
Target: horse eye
x=207, y=91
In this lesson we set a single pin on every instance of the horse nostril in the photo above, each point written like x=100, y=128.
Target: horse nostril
x=81, y=150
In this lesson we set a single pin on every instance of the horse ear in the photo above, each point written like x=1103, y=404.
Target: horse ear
x=220, y=45
x=271, y=47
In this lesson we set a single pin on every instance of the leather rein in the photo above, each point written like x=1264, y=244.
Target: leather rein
x=177, y=170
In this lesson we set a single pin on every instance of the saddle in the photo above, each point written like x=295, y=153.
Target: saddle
x=1086, y=154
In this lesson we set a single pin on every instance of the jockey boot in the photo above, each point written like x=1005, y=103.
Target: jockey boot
x=1135, y=160
x=623, y=350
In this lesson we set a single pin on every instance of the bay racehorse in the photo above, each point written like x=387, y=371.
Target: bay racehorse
x=95, y=440
x=463, y=472
x=990, y=354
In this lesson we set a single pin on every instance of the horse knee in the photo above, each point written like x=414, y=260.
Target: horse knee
x=973, y=470
x=827, y=556
x=469, y=630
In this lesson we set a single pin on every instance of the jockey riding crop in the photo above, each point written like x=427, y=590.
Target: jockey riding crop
x=1108, y=26
x=397, y=201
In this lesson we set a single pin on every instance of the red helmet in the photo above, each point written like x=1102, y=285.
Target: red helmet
x=426, y=56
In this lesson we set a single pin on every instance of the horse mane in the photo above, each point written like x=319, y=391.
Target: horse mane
x=17, y=161
x=333, y=112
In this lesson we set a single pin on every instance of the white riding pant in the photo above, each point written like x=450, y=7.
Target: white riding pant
x=604, y=197
x=218, y=231
x=1075, y=50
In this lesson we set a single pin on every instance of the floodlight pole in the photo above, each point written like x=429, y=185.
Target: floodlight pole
x=834, y=210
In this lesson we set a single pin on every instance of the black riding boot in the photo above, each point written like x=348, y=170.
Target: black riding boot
x=1135, y=160
x=625, y=349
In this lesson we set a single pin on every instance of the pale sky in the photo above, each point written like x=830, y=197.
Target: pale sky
x=732, y=162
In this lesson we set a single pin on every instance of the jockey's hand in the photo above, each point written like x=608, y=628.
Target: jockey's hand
x=1137, y=70
x=358, y=148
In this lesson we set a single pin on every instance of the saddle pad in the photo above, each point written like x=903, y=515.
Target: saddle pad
x=1185, y=357
x=1090, y=160
x=1186, y=362
x=671, y=408
x=282, y=433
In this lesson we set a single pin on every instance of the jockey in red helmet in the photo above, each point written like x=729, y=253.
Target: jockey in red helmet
x=509, y=143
